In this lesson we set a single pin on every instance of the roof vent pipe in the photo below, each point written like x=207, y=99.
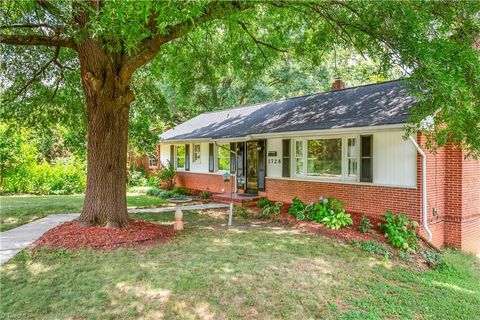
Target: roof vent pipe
x=424, y=188
x=338, y=84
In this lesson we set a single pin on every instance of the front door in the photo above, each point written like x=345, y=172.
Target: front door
x=252, y=166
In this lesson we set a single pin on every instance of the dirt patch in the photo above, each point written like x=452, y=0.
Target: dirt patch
x=70, y=235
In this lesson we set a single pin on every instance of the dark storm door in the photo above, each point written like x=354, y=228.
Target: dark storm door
x=252, y=166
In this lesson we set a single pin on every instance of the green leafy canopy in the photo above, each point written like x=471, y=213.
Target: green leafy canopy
x=217, y=54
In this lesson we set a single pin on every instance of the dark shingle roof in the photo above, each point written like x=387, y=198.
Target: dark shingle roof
x=369, y=105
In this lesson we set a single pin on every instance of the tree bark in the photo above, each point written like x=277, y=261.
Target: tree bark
x=108, y=99
x=105, y=196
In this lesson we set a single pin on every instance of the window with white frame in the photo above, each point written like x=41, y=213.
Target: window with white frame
x=223, y=157
x=152, y=160
x=196, y=153
x=352, y=157
x=331, y=158
x=299, y=161
x=324, y=157
x=180, y=157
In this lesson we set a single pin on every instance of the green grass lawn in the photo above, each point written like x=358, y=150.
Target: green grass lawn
x=18, y=210
x=258, y=272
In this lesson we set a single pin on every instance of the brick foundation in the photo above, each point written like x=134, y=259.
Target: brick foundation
x=204, y=181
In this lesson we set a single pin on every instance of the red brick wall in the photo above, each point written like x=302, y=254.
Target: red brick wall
x=204, y=181
x=470, y=231
x=435, y=191
x=462, y=200
x=358, y=198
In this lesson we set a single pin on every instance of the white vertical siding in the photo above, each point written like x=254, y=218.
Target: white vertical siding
x=394, y=160
x=274, y=168
x=164, y=153
x=202, y=164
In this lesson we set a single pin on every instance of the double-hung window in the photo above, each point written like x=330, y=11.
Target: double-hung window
x=351, y=158
x=196, y=153
x=223, y=157
x=299, y=161
x=180, y=157
x=152, y=160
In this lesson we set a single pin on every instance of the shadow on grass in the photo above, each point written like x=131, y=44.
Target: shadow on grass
x=214, y=272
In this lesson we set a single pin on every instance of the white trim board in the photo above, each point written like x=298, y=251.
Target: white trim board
x=304, y=133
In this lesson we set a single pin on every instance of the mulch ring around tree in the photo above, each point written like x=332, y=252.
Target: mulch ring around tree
x=70, y=235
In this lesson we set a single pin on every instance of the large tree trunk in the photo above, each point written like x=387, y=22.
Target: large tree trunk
x=105, y=197
x=108, y=101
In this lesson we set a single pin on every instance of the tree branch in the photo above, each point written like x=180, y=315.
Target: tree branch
x=260, y=42
x=38, y=40
x=55, y=28
x=39, y=72
x=149, y=47
x=51, y=9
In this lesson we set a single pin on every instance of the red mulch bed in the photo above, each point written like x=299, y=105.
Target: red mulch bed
x=70, y=235
x=344, y=234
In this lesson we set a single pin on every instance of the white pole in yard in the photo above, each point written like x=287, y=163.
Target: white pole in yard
x=230, y=213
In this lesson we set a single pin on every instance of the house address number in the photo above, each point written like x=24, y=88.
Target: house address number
x=274, y=161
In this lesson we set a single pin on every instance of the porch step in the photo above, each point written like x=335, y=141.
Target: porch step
x=241, y=199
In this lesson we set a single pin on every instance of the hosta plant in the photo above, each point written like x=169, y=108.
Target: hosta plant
x=337, y=220
x=272, y=209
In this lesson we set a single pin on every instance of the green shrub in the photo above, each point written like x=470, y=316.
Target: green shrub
x=181, y=191
x=400, y=231
x=297, y=208
x=205, y=194
x=164, y=194
x=373, y=247
x=167, y=176
x=324, y=208
x=433, y=259
x=137, y=178
x=328, y=211
x=365, y=225
x=337, y=220
x=155, y=192
x=62, y=177
x=262, y=203
x=153, y=180
x=272, y=209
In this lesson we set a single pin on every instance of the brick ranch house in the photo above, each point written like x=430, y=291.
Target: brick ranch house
x=348, y=143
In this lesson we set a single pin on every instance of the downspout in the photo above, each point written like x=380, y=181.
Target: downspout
x=424, y=188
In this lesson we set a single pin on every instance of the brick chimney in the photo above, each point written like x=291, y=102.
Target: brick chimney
x=338, y=84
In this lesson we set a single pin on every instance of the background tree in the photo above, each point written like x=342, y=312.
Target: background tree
x=50, y=45
x=14, y=150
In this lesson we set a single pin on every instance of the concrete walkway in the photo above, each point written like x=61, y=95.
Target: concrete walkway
x=15, y=240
